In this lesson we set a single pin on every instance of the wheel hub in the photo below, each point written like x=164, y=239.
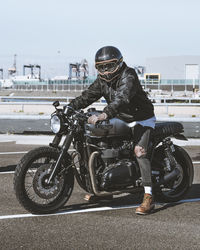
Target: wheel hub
x=41, y=186
x=175, y=183
x=179, y=179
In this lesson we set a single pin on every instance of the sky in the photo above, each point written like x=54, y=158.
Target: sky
x=54, y=33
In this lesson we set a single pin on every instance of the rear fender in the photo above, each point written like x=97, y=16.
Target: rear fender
x=180, y=137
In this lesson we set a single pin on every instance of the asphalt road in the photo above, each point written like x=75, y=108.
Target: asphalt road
x=81, y=226
x=41, y=125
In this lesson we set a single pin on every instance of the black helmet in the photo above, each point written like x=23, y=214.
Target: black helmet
x=108, y=62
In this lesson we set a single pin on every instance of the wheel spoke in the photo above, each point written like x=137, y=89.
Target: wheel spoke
x=31, y=186
x=37, y=173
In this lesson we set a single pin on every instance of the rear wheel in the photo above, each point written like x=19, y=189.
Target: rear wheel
x=175, y=190
x=31, y=185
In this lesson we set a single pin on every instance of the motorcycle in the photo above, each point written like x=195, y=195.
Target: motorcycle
x=102, y=162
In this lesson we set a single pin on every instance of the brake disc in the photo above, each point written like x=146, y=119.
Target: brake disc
x=40, y=185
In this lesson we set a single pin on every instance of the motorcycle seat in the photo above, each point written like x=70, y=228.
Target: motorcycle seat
x=163, y=129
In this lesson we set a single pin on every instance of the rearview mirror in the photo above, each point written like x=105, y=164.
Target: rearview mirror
x=56, y=104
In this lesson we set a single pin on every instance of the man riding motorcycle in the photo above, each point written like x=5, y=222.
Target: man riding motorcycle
x=126, y=99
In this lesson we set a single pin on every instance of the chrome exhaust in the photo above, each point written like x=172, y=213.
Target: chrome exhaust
x=93, y=180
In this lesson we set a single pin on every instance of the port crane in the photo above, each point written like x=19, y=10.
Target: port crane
x=13, y=69
x=32, y=67
x=1, y=72
x=78, y=70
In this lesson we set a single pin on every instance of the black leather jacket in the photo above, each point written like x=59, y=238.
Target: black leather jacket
x=125, y=97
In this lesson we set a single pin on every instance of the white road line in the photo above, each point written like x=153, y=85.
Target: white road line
x=12, y=172
x=7, y=172
x=88, y=210
x=70, y=150
x=22, y=152
x=13, y=153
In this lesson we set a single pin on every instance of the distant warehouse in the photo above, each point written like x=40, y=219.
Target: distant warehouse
x=173, y=67
x=175, y=70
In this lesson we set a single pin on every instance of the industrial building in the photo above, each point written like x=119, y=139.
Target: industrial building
x=170, y=73
x=173, y=67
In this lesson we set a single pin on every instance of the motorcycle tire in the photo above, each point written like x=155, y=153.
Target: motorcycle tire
x=31, y=190
x=181, y=186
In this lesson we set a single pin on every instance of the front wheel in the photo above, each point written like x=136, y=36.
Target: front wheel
x=177, y=189
x=30, y=181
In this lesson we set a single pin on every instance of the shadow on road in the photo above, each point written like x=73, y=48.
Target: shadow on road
x=194, y=193
x=130, y=199
x=8, y=168
x=197, y=157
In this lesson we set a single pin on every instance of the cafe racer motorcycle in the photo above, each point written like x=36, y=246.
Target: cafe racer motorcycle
x=102, y=161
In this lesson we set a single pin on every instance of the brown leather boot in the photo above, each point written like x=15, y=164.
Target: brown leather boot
x=147, y=205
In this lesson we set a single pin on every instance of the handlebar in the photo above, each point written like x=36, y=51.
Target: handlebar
x=69, y=111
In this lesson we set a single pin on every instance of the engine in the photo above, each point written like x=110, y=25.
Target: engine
x=120, y=170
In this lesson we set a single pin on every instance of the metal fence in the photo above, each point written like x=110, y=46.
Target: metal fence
x=43, y=100
x=169, y=85
x=51, y=87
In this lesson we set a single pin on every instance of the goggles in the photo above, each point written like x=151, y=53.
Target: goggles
x=107, y=66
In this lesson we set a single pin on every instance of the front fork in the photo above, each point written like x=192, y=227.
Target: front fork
x=65, y=147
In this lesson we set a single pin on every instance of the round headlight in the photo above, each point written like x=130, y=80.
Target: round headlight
x=55, y=124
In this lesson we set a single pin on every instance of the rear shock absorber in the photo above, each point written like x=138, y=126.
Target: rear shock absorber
x=170, y=161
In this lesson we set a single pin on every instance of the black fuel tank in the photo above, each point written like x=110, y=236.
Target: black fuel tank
x=112, y=128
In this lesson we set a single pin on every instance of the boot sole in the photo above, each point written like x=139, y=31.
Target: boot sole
x=145, y=213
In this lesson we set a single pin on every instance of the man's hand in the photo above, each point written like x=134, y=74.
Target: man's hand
x=93, y=119
x=102, y=117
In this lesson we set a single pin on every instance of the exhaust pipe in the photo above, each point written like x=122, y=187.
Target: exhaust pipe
x=93, y=180
x=172, y=176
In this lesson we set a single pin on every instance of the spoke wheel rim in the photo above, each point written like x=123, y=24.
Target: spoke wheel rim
x=35, y=182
